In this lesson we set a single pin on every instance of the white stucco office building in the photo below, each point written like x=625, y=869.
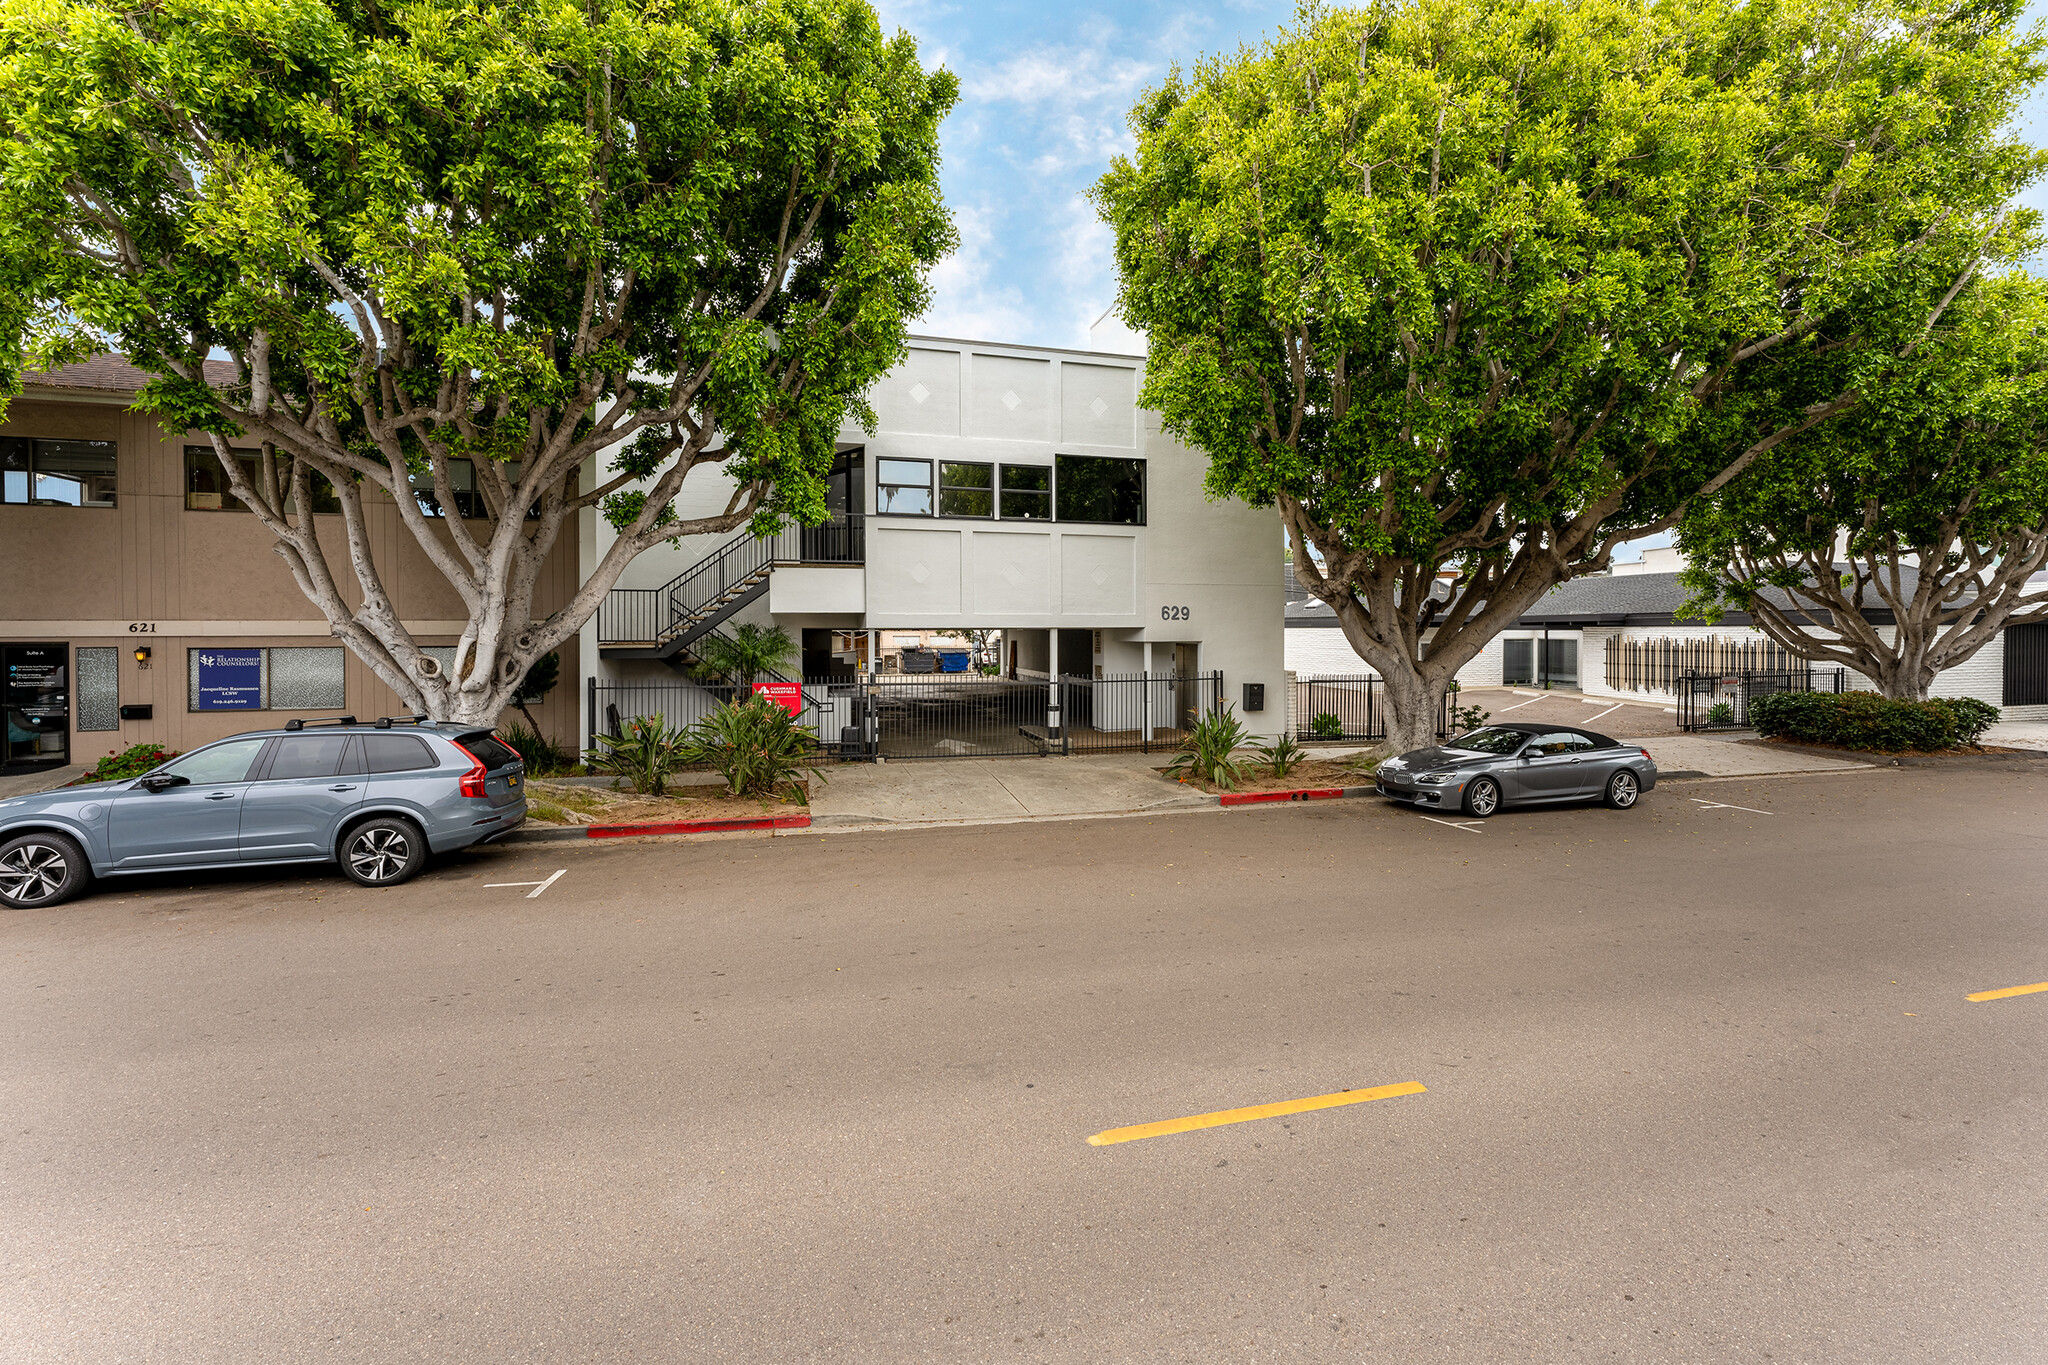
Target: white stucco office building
x=1009, y=487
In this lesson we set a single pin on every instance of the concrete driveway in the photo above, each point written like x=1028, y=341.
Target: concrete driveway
x=1699, y=1083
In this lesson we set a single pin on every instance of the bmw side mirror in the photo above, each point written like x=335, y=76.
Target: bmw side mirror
x=157, y=782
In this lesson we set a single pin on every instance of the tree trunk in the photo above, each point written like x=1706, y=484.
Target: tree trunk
x=1414, y=700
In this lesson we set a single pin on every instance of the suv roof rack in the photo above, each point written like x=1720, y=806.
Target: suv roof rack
x=386, y=722
x=298, y=724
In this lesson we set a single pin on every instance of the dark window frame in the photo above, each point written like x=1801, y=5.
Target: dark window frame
x=882, y=485
x=1060, y=482
x=326, y=502
x=24, y=448
x=1041, y=497
x=987, y=490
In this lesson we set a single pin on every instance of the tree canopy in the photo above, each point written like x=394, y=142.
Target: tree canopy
x=499, y=231
x=1476, y=292
x=1926, y=503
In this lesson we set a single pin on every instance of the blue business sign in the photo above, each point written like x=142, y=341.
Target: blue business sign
x=230, y=680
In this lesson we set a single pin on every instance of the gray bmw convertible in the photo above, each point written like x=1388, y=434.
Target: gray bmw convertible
x=1519, y=764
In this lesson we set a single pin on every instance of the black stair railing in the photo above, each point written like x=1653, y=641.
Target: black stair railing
x=701, y=591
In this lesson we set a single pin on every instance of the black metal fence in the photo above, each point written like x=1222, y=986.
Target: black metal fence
x=897, y=716
x=1350, y=707
x=1720, y=701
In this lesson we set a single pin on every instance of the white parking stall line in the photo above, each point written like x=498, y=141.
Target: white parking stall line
x=1723, y=805
x=538, y=887
x=1469, y=826
x=1520, y=704
x=1616, y=707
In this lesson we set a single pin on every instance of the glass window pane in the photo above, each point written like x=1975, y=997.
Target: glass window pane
x=75, y=473
x=1026, y=506
x=99, y=687
x=904, y=471
x=1100, y=489
x=966, y=502
x=307, y=756
x=1027, y=478
x=397, y=754
x=915, y=501
x=307, y=679
x=14, y=469
x=966, y=475
x=224, y=762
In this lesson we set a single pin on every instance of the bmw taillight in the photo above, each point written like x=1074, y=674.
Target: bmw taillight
x=473, y=780
x=1646, y=754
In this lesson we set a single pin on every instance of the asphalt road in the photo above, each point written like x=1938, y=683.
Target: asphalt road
x=1701, y=1085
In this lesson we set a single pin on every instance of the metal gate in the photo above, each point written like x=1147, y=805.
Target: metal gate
x=906, y=716
x=1720, y=701
x=1349, y=707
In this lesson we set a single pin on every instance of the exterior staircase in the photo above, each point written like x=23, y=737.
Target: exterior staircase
x=662, y=623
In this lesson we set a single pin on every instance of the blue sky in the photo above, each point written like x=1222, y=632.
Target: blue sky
x=1044, y=89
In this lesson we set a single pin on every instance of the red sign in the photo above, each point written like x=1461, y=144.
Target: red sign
x=788, y=695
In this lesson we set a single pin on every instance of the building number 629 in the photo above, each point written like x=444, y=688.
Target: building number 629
x=1174, y=613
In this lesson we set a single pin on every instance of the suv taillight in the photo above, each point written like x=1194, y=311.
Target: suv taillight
x=473, y=780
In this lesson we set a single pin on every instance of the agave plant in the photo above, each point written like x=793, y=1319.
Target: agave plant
x=755, y=745
x=644, y=752
x=1207, y=752
x=1283, y=755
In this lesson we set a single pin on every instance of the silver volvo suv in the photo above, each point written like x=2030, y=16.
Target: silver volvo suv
x=376, y=797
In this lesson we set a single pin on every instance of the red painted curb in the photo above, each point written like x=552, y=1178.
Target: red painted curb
x=1303, y=794
x=697, y=826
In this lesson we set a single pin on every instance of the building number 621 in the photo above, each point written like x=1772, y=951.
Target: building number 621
x=1174, y=613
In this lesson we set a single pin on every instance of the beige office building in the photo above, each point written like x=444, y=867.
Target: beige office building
x=139, y=601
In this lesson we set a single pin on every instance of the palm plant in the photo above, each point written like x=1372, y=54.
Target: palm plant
x=737, y=659
x=1207, y=751
x=755, y=745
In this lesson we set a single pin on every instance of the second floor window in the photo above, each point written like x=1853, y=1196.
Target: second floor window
x=967, y=490
x=207, y=488
x=56, y=473
x=469, y=503
x=1027, y=492
x=903, y=487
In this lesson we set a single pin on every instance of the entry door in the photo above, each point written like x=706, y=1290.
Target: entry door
x=37, y=700
x=837, y=541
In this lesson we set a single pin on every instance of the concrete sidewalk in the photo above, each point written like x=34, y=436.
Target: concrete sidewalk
x=1736, y=756
x=42, y=780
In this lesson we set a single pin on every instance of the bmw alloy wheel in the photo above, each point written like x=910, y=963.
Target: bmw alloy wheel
x=32, y=873
x=379, y=853
x=1482, y=798
x=1622, y=790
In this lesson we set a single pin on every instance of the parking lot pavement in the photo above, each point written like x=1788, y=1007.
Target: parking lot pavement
x=1623, y=720
x=1738, y=1075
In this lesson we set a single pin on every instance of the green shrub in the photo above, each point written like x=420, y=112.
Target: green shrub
x=133, y=761
x=756, y=746
x=1326, y=725
x=1283, y=755
x=1721, y=713
x=1468, y=718
x=1206, y=752
x=1867, y=720
x=544, y=757
x=644, y=752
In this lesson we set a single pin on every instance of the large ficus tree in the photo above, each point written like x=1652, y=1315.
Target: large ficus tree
x=1900, y=538
x=1476, y=290
x=522, y=235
